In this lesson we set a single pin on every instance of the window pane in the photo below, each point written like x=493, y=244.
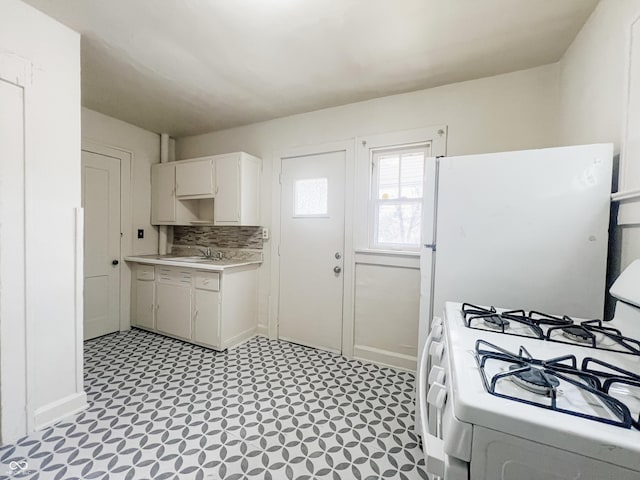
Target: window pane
x=389, y=173
x=411, y=173
x=399, y=224
x=310, y=197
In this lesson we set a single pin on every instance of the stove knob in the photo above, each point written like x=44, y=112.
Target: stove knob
x=436, y=333
x=436, y=375
x=437, y=395
x=437, y=352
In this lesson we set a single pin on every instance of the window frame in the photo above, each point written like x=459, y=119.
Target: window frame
x=374, y=189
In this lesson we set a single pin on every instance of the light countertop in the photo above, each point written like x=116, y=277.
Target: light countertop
x=198, y=262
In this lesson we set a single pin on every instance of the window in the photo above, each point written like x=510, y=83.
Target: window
x=310, y=197
x=396, y=190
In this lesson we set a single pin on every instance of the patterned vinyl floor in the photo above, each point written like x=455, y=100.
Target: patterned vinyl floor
x=163, y=409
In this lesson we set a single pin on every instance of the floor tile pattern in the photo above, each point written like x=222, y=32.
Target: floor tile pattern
x=160, y=408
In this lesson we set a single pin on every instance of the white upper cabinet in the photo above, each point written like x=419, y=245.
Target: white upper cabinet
x=226, y=207
x=215, y=190
x=238, y=190
x=163, y=193
x=195, y=179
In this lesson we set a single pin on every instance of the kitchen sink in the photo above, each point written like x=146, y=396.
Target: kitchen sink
x=199, y=258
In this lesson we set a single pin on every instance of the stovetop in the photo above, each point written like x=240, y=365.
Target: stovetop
x=542, y=326
x=555, y=377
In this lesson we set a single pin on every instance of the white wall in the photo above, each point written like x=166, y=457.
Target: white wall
x=594, y=95
x=52, y=186
x=508, y=112
x=144, y=147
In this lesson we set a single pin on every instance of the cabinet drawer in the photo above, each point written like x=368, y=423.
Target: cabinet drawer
x=174, y=275
x=145, y=272
x=207, y=281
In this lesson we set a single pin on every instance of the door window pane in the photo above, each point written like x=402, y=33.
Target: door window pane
x=310, y=197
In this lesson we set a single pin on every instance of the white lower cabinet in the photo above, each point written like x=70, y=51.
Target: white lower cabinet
x=145, y=303
x=206, y=317
x=144, y=298
x=213, y=309
x=173, y=314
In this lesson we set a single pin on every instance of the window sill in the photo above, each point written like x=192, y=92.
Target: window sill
x=387, y=258
x=400, y=253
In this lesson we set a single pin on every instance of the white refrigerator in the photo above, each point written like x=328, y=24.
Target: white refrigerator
x=526, y=229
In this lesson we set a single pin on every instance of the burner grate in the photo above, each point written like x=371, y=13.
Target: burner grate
x=614, y=376
x=585, y=333
x=481, y=318
x=589, y=333
x=548, y=375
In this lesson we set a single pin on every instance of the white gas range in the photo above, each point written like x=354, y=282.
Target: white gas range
x=512, y=395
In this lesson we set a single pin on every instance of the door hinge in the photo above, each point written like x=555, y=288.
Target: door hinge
x=432, y=246
x=280, y=179
x=278, y=249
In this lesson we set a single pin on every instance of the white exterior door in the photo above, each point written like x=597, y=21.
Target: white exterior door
x=101, y=203
x=312, y=250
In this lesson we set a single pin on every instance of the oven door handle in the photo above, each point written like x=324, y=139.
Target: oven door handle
x=433, y=446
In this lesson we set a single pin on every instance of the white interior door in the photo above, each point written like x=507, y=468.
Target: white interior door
x=12, y=264
x=101, y=202
x=312, y=250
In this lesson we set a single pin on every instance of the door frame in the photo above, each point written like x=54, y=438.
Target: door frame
x=126, y=237
x=348, y=147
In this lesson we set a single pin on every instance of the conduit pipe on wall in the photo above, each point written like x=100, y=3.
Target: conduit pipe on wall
x=163, y=230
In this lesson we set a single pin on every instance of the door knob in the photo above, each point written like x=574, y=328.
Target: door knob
x=338, y=256
x=336, y=269
x=115, y=262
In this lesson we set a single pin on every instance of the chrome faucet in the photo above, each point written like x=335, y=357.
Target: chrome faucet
x=205, y=252
x=219, y=255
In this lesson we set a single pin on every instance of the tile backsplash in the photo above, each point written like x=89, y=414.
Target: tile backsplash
x=221, y=237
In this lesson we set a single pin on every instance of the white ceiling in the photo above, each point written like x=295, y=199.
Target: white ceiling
x=193, y=66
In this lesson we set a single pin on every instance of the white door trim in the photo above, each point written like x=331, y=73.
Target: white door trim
x=347, y=146
x=126, y=226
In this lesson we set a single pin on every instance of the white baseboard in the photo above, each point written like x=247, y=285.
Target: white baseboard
x=385, y=358
x=55, y=411
x=240, y=338
x=263, y=330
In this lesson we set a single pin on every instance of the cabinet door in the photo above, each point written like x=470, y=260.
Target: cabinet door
x=144, y=304
x=195, y=178
x=163, y=193
x=174, y=309
x=206, y=317
x=226, y=207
